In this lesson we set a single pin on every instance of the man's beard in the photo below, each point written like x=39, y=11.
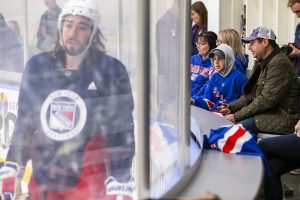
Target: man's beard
x=76, y=52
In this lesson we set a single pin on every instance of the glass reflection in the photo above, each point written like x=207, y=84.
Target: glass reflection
x=47, y=30
x=11, y=52
x=75, y=129
x=164, y=133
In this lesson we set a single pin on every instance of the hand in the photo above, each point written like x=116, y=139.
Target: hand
x=297, y=129
x=295, y=51
x=230, y=117
x=224, y=109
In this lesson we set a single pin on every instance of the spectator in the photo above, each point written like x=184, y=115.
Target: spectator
x=283, y=156
x=233, y=39
x=271, y=96
x=168, y=51
x=199, y=18
x=75, y=113
x=47, y=31
x=226, y=85
x=11, y=54
x=294, y=55
x=201, y=66
x=14, y=26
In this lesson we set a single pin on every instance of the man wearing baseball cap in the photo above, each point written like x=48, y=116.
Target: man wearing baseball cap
x=276, y=94
x=271, y=96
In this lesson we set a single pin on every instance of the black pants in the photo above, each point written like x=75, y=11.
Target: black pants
x=249, y=125
x=283, y=154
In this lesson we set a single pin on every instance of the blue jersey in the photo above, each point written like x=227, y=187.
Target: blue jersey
x=200, y=92
x=201, y=71
x=63, y=113
x=241, y=62
x=221, y=90
x=296, y=60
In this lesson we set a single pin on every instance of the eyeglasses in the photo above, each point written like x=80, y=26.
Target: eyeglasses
x=198, y=44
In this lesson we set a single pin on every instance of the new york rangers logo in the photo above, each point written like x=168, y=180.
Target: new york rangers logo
x=63, y=115
x=195, y=69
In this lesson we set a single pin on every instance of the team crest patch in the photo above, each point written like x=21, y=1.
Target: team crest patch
x=63, y=115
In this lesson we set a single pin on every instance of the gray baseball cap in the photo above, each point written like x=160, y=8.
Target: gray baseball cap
x=260, y=32
x=218, y=53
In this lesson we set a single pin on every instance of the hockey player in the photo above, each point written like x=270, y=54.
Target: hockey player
x=226, y=85
x=201, y=66
x=75, y=114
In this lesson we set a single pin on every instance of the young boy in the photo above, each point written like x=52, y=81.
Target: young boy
x=226, y=85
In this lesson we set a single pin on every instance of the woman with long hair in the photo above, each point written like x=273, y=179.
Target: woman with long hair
x=199, y=18
x=232, y=38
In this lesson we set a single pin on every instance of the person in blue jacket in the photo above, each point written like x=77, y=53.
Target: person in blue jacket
x=226, y=85
x=233, y=39
x=201, y=66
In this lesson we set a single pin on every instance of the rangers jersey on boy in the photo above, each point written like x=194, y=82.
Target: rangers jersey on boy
x=225, y=86
x=221, y=89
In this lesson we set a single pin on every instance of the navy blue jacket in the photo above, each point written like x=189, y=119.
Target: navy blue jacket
x=60, y=112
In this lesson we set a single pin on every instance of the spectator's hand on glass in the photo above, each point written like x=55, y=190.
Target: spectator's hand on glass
x=230, y=117
x=297, y=129
x=224, y=109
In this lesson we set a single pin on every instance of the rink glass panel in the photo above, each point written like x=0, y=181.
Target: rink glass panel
x=118, y=25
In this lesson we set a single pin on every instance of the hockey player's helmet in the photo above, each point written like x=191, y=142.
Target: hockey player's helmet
x=86, y=8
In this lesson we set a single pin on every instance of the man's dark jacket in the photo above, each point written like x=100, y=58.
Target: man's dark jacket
x=271, y=95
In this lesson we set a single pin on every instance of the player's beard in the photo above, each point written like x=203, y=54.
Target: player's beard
x=74, y=51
